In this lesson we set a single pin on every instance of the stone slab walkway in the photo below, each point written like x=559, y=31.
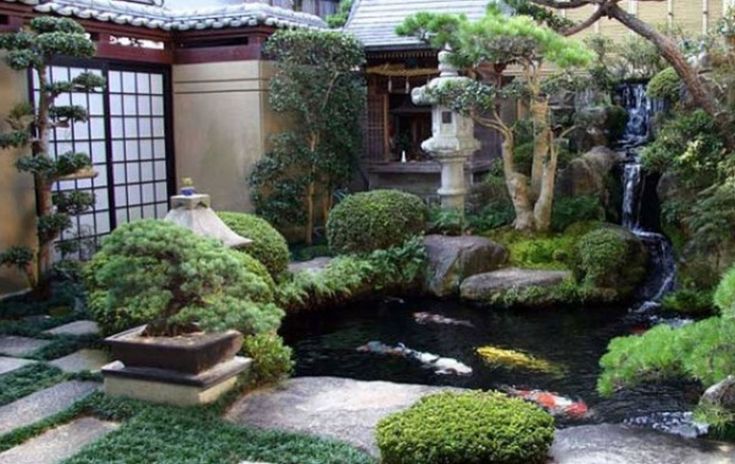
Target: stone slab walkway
x=344, y=409
x=76, y=328
x=42, y=404
x=10, y=364
x=617, y=444
x=82, y=360
x=12, y=345
x=60, y=443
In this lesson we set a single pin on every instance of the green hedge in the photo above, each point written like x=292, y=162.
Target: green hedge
x=269, y=246
x=467, y=428
x=375, y=220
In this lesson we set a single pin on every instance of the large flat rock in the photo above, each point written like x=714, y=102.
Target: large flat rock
x=12, y=345
x=343, y=409
x=313, y=265
x=58, y=444
x=481, y=287
x=76, y=328
x=617, y=444
x=42, y=404
x=82, y=360
x=10, y=364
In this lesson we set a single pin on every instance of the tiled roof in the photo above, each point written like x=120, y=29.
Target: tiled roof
x=374, y=21
x=169, y=18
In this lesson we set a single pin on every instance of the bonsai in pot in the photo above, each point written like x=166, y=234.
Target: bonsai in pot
x=182, y=304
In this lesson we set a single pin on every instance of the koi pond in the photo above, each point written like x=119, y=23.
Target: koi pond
x=527, y=353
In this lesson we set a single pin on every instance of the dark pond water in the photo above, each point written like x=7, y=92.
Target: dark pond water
x=326, y=343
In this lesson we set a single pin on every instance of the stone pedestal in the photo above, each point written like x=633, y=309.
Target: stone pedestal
x=453, y=140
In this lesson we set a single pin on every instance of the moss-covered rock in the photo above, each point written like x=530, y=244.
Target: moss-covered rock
x=466, y=428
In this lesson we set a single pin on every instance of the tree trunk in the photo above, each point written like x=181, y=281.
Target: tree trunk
x=517, y=185
x=541, y=135
x=670, y=51
x=545, y=202
x=44, y=203
x=309, y=232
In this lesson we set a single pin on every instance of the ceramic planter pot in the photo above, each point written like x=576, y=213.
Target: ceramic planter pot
x=191, y=353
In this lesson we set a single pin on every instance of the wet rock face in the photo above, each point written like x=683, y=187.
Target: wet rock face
x=720, y=395
x=586, y=175
x=452, y=259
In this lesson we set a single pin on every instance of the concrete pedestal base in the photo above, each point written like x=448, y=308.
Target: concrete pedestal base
x=171, y=387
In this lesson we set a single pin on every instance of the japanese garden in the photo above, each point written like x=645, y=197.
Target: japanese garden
x=367, y=231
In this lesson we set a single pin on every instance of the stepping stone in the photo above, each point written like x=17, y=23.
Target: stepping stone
x=42, y=404
x=82, y=360
x=342, y=409
x=11, y=364
x=76, y=328
x=60, y=443
x=12, y=345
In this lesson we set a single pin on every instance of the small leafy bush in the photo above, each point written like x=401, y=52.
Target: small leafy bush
x=157, y=273
x=465, y=428
x=666, y=85
x=688, y=301
x=494, y=215
x=446, y=222
x=269, y=246
x=568, y=210
x=272, y=360
x=375, y=220
x=724, y=296
x=610, y=258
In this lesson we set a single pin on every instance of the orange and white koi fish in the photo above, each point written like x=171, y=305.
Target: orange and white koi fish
x=440, y=365
x=555, y=404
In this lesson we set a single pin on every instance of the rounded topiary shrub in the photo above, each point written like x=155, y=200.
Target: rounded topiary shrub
x=375, y=220
x=269, y=246
x=611, y=258
x=467, y=428
x=157, y=273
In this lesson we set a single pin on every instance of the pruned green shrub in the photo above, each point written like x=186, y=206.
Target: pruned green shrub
x=568, y=210
x=466, y=428
x=157, y=273
x=610, y=258
x=446, y=221
x=272, y=360
x=666, y=85
x=375, y=220
x=269, y=246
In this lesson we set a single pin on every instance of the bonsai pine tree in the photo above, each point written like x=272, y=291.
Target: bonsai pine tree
x=317, y=89
x=35, y=48
x=484, y=49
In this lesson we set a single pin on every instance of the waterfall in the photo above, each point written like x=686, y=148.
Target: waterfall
x=662, y=263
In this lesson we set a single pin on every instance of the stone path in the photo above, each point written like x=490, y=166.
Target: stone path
x=10, y=364
x=60, y=443
x=617, y=444
x=82, y=360
x=42, y=404
x=75, y=328
x=344, y=409
x=12, y=345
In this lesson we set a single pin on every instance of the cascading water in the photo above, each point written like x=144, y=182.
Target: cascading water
x=662, y=264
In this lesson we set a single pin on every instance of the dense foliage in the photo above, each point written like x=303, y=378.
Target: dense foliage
x=317, y=88
x=688, y=301
x=666, y=85
x=339, y=19
x=375, y=220
x=272, y=360
x=570, y=210
x=269, y=246
x=33, y=49
x=701, y=351
x=466, y=428
x=157, y=273
x=348, y=277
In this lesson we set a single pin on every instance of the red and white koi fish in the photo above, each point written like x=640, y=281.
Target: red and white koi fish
x=555, y=404
x=440, y=365
x=425, y=318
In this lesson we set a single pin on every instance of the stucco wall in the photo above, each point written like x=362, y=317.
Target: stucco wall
x=221, y=125
x=17, y=198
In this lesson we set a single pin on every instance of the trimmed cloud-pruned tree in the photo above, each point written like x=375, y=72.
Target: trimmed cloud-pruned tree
x=484, y=48
x=30, y=126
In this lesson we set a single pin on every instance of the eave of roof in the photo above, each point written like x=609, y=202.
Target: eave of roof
x=167, y=19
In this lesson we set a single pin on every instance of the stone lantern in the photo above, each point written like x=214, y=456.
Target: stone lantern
x=453, y=136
